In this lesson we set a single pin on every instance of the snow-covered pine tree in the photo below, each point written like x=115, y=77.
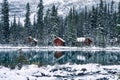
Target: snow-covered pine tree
x=93, y=23
x=27, y=21
x=40, y=24
x=118, y=20
x=54, y=22
x=47, y=27
x=101, y=26
x=5, y=22
x=80, y=24
x=71, y=27
x=13, y=31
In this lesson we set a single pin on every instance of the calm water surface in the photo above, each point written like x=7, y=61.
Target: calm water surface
x=50, y=57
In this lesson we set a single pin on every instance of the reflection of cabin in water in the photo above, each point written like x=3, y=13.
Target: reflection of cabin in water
x=58, y=54
x=59, y=41
x=84, y=41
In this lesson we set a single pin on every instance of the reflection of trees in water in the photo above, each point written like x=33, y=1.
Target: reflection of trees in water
x=48, y=57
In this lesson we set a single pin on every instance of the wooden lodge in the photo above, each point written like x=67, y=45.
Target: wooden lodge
x=59, y=41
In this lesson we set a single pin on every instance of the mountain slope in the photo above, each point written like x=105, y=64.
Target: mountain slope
x=17, y=7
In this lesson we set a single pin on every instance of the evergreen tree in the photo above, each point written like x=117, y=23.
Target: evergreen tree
x=15, y=35
x=40, y=24
x=13, y=30
x=27, y=21
x=86, y=23
x=47, y=27
x=93, y=23
x=61, y=30
x=71, y=27
x=118, y=20
x=112, y=20
x=33, y=27
x=54, y=22
x=20, y=30
x=1, y=33
x=101, y=26
x=5, y=21
x=81, y=23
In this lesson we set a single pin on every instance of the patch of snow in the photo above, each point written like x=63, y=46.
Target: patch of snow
x=66, y=71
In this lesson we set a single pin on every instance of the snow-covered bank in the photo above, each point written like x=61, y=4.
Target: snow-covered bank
x=59, y=48
x=60, y=72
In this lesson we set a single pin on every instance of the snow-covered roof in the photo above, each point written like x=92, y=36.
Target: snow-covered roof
x=81, y=39
x=35, y=39
x=60, y=39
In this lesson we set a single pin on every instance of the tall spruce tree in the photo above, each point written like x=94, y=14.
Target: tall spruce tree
x=54, y=22
x=27, y=21
x=81, y=22
x=33, y=28
x=86, y=22
x=71, y=27
x=47, y=27
x=118, y=21
x=112, y=20
x=40, y=24
x=101, y=26
x=93, y=23
x=14, y=31
x=5, y=21
x=20, y=30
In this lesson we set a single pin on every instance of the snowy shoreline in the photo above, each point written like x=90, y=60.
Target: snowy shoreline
x=59, y=48
x=62, y=72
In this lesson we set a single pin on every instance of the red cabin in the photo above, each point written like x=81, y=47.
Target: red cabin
x=59, y=41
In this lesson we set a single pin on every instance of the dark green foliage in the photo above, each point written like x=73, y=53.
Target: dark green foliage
x=16, y=32
x=40, y=25
x=5, y=22
x=13, y=30
x=53, y=24
x=27, y=21
x=118, y=20
x=47, y=27
x=101, y=25
x=93, y=23
x=72, y=22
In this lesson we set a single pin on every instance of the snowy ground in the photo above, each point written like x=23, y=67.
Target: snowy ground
x=62, y=72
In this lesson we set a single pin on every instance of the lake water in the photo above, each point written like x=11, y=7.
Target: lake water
x=49, y=57
x=59, y=64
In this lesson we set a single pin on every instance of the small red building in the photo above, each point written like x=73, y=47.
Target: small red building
x=59, y=41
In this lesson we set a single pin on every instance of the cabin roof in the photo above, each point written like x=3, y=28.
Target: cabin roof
x=60, y=39
x=81, y=39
